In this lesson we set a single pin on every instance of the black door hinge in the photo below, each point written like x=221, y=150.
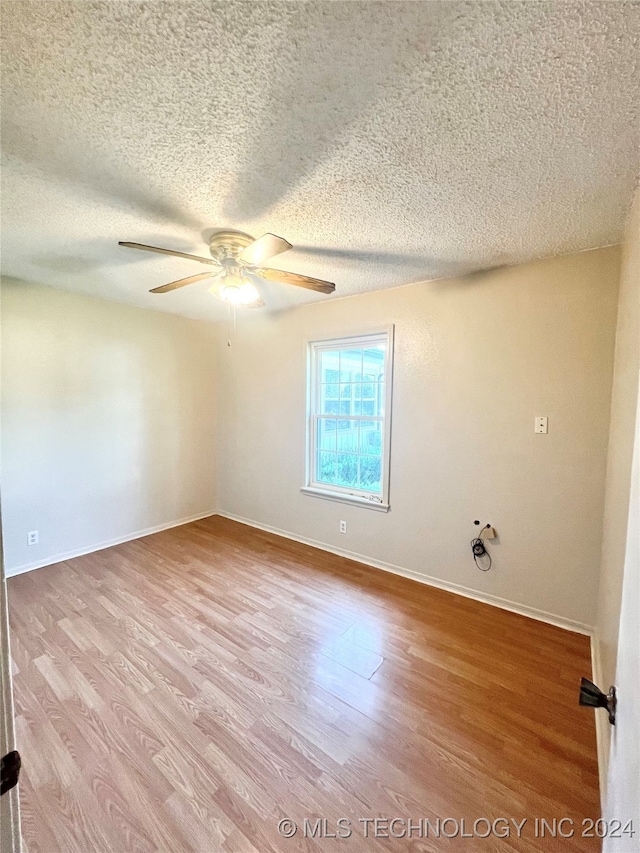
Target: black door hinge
x=9, y=771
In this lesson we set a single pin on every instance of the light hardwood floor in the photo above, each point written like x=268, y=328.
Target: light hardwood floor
x=189, y=690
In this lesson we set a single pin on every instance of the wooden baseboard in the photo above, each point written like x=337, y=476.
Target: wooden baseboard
x=100, y=546
x=494, y=600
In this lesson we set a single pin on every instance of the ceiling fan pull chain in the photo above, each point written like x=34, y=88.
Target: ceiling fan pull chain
x=231, y=322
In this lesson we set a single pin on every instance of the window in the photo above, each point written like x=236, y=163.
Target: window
x=348, y=428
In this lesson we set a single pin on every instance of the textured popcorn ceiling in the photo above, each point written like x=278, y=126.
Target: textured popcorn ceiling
x=389, y=142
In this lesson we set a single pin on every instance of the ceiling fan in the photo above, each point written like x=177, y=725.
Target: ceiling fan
x=237, y=260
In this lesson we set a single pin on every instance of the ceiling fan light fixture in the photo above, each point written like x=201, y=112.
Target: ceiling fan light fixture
x=239, y=295
x=237, y=290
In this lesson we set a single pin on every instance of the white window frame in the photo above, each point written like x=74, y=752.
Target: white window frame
x=370, y=500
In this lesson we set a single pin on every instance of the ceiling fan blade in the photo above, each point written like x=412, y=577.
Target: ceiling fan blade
x=298, y=280
x=142, y=246
x=182, y=282
x=263, y=248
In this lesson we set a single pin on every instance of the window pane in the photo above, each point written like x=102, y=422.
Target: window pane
x=331, y=407
x=329, y=365
x=373, y=364
x=326, y=435
x=371, y=437
x=370, y=473
x=345, y=391
x=326, y=467
x=350, y=365
x=330, y=391
x=347, y=469
x=347, y=436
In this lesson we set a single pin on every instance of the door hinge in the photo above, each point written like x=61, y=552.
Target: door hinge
x=9, y=771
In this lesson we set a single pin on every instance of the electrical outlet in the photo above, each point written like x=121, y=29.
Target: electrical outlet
x=541, y=426
x=33, y=537
x=343, y=527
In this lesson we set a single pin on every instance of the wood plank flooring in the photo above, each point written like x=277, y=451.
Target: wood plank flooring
x=189, y=690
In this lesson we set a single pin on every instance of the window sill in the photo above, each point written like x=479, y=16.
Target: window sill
x=340, y=497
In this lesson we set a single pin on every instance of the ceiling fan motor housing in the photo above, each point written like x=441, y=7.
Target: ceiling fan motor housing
x=228, y=244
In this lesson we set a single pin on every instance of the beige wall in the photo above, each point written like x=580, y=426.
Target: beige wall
x=621, y=439
x=109, y=426
x=475, y=360
x=108, y=421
